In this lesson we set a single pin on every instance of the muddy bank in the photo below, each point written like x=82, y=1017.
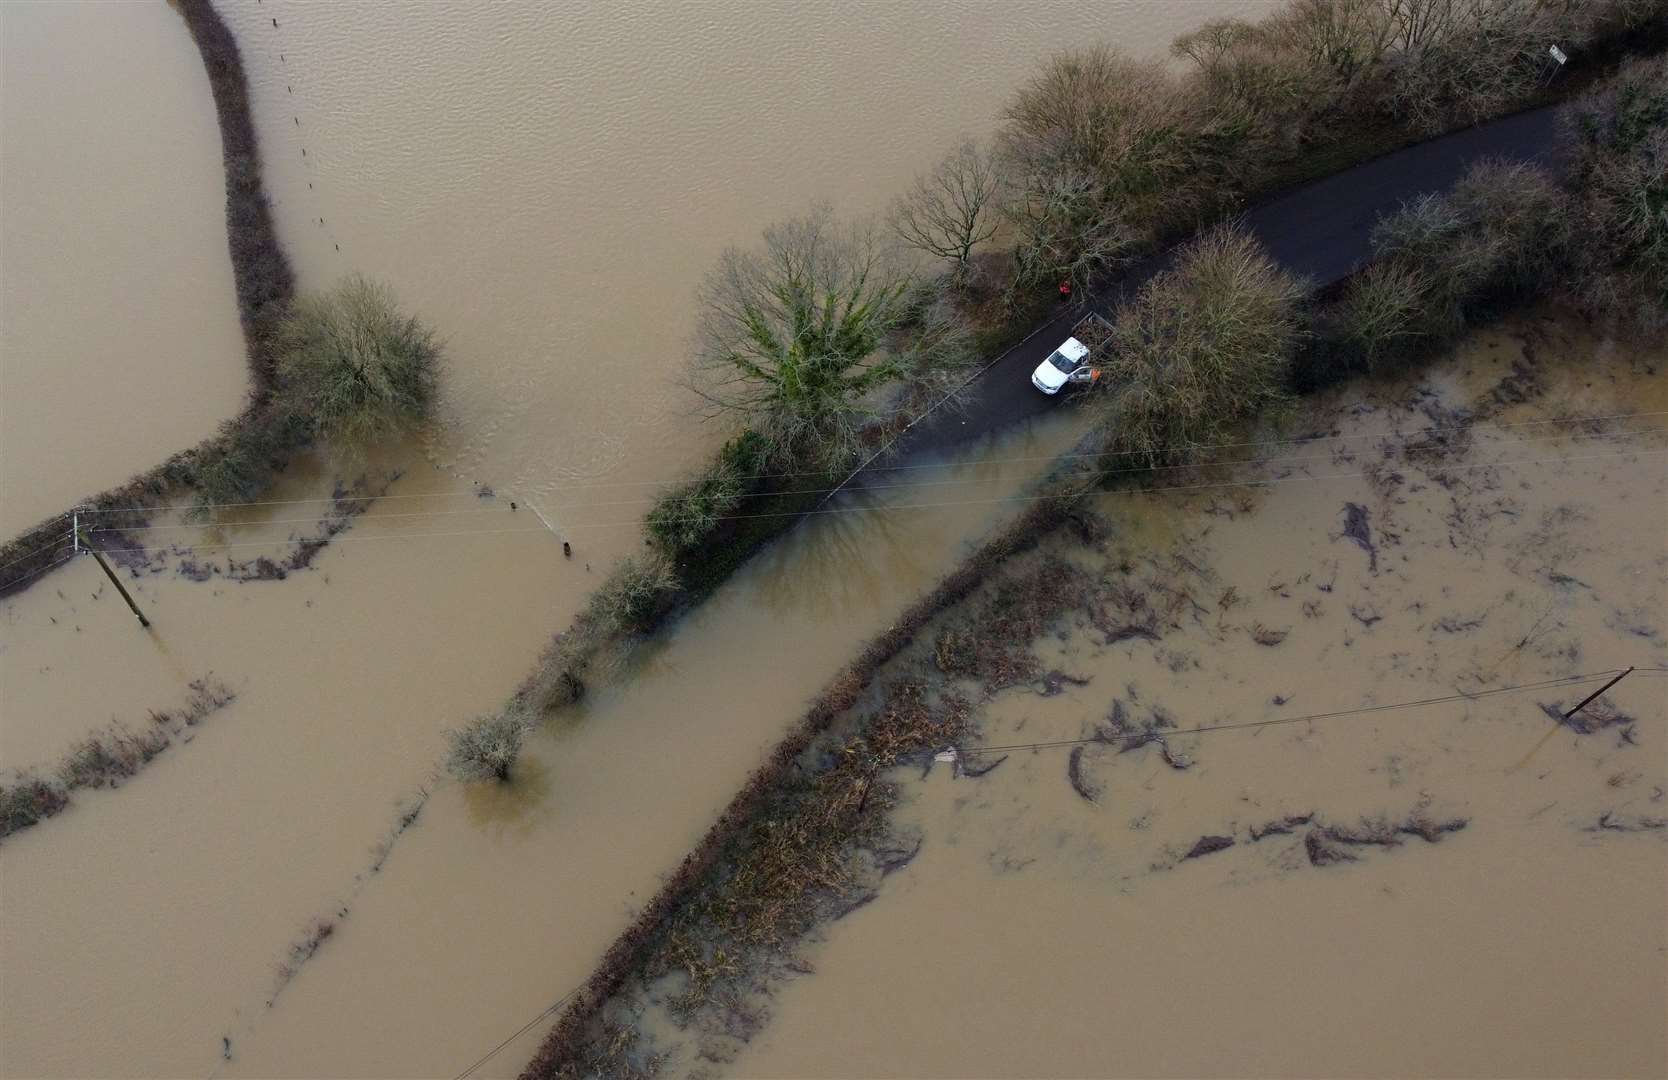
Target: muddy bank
x=1242, y=594
x=264, y=287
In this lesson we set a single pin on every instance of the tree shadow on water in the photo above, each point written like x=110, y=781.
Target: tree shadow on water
x=514, y=809
x=838, y=562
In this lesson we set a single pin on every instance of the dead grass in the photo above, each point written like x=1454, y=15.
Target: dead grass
x=800, y=859
x=106, y=758
x=991, y=640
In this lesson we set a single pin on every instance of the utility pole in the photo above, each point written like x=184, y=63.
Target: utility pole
x=114, y=580
x=1582, y=704
x=1589, y=698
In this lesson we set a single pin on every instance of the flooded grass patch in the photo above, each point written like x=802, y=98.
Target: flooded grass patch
x=107, y=758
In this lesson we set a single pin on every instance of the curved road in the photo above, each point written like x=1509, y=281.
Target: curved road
x=1320, y=231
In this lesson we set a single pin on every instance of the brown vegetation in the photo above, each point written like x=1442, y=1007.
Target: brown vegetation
x=106, y=758
x=1202, y=348
x=564, y=1048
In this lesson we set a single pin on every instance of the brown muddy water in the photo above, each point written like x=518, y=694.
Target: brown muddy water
x=119, y=338
x=1053, y=923
x=521, y=176
x=1043, y=933
x=495, y=900
x=546, y=183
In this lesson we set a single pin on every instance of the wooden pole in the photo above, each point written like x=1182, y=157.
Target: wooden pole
x=114, y=580
x=1588, y=700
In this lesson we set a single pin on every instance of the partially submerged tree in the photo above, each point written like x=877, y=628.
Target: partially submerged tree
x=486, y=748
x=357, y=367
x=1202, y=347
x=951, y=210
x=796, y=336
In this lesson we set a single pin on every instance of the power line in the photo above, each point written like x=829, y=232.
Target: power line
x=1570, y=680
x=37, y=573
x=490, y=1054
x=37, y=551
x=1297, y=440
x=1243, y=463
x=922, y=506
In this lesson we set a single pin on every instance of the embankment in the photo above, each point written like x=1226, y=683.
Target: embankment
x=638, y=940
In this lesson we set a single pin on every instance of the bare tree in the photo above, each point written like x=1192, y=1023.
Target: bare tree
x=1381, y=309
x=354, y=366
x=1202, y=347
x=1067, y=229
x=795, y=337
x=949, y=211
x=486, y=748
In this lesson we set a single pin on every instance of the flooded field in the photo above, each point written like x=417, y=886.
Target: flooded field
x=119, y=338
x=1327, y=883
x=546, y=184
x=271, y=817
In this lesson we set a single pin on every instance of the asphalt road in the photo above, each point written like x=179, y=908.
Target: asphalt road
x=1320, y=231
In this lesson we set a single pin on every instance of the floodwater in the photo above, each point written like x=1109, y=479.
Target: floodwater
x=1039, y=933
x=496, y=900
x=546, y=183
x=520, y=175
x=119, y=338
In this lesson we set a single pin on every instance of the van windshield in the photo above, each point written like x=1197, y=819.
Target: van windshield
x=1059, y=360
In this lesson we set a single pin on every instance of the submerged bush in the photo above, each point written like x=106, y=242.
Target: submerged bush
x=29, y=800
x=358, y=368
x=1202, y=347
x=486, y=748
x=639, y=589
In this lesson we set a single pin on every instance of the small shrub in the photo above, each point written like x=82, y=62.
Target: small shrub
x=634, y=595
x=1379, y=313
x=687, y=515
x=486, y=748
x=111, y=756
x=29, y=800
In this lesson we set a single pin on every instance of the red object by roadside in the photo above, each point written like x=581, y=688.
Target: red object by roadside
x=1065, y=290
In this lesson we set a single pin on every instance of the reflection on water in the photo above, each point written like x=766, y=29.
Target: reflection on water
x=515, y=808
x=872, y=536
